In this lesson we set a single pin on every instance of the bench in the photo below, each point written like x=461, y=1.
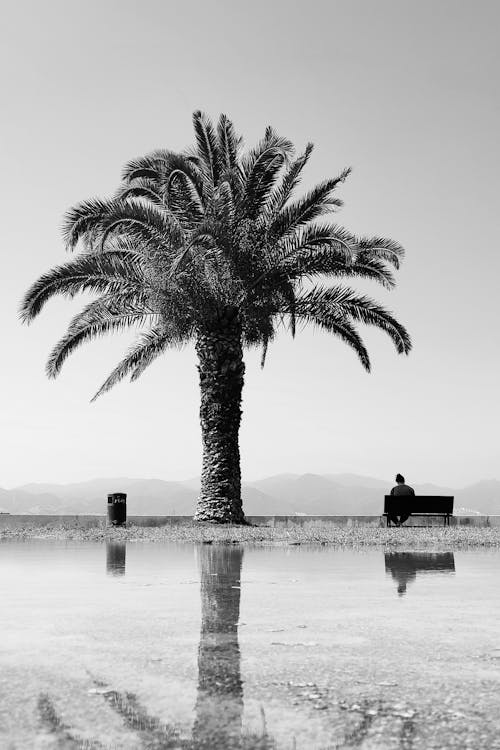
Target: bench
x=419, y=505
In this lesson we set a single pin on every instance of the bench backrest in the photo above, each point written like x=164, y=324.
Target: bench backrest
x=418, y=503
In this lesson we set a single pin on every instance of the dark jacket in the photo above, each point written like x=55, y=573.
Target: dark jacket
x=402, y=489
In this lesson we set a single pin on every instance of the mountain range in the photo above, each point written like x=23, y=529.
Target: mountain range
x=283, y=494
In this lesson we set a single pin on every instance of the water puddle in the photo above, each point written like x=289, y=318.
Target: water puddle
x=219, y=646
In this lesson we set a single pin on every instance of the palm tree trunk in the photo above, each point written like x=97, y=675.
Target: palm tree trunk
x=221, y=369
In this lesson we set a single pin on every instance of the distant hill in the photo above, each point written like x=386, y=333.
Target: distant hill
x=356, y=480
x=18, y=501
x=483, y=496
x=282, y=494
x=145, y=496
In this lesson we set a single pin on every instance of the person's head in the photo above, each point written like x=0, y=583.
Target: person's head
x=400, y=479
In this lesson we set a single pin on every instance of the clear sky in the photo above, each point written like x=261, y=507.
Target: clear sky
x=405, y=92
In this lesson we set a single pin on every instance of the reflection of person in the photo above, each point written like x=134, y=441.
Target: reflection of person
x=401, y=490
x=403, y=580
x=403, y=568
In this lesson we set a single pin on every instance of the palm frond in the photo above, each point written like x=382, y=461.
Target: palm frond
x=147, y=222
x=235, y=180
x=172, y=179
x=263, y=356
x=315, y=237
x=291, y=178
x=83, y=218
x=261, y=179
x=208, y=148
x=203, y=246
x=225, y=207
x=383, y=248
x=152, y=221
x=341, y=328
x=106, y=273
x=140, y=188
x=149, y=346
x=317, y=202
x=185, y=198
x=150, y=166
x=181, y=164
x=279, y=258
x=331, y=250
x=329, y=262
x=342, y=303
x=105, y=315
x=270, y=142
x=285, y=291
x=229, y=144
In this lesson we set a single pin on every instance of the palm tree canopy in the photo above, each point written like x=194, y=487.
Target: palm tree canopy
x=190, y=236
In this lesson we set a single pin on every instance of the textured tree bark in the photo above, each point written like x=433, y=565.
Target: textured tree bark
x=219, y=701
x=221, y=369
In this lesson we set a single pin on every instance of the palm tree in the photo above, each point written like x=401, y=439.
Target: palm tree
x=210, y=246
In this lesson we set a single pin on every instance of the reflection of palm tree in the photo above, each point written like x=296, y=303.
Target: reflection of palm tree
x=219, y=703
x=115, y=558
x=404, y=566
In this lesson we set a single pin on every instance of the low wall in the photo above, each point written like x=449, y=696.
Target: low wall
x=86, y=521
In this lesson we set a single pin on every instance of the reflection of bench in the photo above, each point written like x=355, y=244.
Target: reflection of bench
x=418, y=505
x=407, y=563
x=404, y=566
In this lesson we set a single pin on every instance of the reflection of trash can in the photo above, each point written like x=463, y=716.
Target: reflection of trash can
x=115, y=558
x=117, y=508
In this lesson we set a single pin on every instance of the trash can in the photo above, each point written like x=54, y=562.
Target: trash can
x=117, y=508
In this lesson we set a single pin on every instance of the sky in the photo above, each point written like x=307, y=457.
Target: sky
x=406, y=93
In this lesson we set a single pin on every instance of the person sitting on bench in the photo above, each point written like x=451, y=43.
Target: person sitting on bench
x=401, y=489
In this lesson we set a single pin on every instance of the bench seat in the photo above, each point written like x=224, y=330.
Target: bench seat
x=419, y=505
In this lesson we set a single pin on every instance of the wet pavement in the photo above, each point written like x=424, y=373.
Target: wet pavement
x=220, y=646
